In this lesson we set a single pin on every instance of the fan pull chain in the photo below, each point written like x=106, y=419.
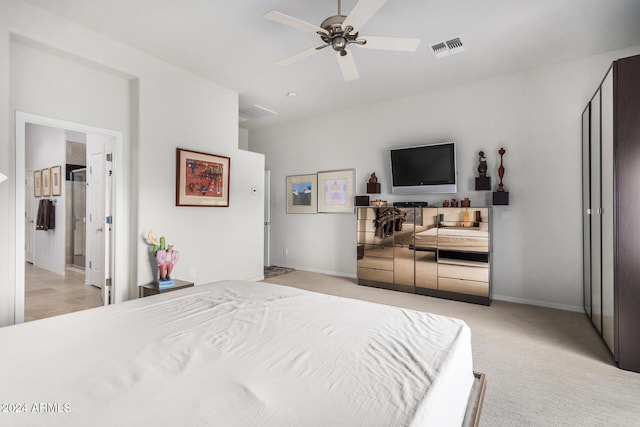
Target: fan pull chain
x=339, y=8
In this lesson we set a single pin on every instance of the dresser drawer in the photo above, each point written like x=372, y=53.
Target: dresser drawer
x=478, y=274
x=468, y=287
x=375, y=275
x=376, y=263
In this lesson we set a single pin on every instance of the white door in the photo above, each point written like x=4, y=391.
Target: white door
x=267, y=217
x=99, y=213
x=29, y=218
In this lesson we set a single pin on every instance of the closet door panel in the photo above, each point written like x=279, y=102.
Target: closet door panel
x=596, y=226
x=586, y=210
x=627, y=256
x=607, y=192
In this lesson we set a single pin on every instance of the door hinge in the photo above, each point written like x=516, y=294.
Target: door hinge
x=89, y=264
x=108, y=282
x=108, y=157
x=110, y=173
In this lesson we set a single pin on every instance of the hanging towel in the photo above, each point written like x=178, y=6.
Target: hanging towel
x=46, y=218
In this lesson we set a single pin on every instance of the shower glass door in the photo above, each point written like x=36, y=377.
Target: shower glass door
x=79, y=208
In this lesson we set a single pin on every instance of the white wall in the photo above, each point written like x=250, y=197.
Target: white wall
x=45, y=148
x=534, y=115
x=243, y=139
x=157, y=107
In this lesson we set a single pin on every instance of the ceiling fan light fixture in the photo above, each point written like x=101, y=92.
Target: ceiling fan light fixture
x=340, y=31
x=338, y=43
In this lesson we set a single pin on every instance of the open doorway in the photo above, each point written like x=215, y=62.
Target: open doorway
x=76, y=247
x=66, y=268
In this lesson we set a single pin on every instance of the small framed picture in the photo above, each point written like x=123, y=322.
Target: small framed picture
x=302, y=194
x=202, y=179
x=336, y=191
x=46, y=182
x=37, y=183
x=56, y=181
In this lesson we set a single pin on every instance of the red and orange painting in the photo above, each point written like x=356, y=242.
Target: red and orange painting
x=203, y=178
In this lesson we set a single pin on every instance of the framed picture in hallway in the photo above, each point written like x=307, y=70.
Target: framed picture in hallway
x=46, y=182
x=37, y=183
x=336, y=191
x=302, y=194
x=56, y=183
x=202, y=179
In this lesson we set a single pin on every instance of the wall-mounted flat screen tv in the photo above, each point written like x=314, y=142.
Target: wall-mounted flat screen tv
x=424, y=169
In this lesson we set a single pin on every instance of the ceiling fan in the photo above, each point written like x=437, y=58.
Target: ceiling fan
x=340, y=31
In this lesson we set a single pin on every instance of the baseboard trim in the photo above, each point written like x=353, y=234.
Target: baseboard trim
x=538, y=303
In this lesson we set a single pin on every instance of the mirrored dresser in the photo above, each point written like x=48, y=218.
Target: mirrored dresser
x=442, y=252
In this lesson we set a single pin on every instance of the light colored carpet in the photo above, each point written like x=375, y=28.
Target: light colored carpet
x=544, y=367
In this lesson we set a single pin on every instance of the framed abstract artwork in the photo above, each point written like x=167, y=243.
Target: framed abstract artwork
x=46, y=182
x=37, y=183
x=202, y=179
x=336, y=191
x=56, y=181
x=302, y=194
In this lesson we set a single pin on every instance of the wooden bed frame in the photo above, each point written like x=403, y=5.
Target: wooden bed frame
x=476, y=398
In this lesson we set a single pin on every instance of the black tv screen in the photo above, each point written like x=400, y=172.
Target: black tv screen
x=424, y=169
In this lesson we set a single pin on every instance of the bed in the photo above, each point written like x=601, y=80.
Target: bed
x=236, y=353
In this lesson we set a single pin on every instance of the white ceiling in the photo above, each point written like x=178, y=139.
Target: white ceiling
x=230, y=43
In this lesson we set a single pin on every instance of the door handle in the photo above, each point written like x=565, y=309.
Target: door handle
x=99, y=229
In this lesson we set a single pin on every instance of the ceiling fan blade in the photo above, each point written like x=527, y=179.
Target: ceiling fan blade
x=281, y=18
x=298, y=56
x=390, y=43
x=361, y=13
x=348, y=66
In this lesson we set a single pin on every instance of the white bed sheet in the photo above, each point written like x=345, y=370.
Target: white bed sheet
x=237, y=354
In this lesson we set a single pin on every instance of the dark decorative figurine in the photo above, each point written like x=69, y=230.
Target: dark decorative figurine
x=373, y=186
x=501, y=197
x=501, y=170
x=482, y=167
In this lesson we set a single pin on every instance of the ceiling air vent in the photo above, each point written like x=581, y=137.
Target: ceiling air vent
x=254, y=112
x=440, y=50
x=455, y=45
x=446, y=48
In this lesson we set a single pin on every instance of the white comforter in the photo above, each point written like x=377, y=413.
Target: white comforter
x=237, y=354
